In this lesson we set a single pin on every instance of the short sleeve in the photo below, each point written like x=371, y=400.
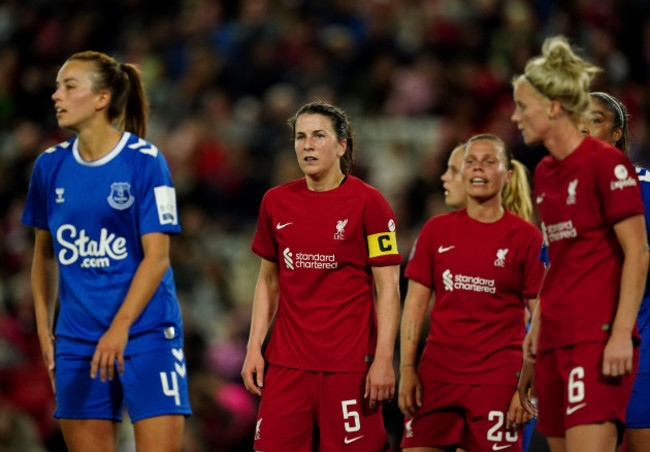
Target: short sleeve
x=420, y=264
x=35, y=211
x=156, y=201
x=618, y=186
x=264, y=243
x=381, y=231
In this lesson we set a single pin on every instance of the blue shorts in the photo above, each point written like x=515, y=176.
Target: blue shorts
x=638, y=409
x=153, y=384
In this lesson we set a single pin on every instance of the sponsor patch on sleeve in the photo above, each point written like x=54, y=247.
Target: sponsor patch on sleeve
x=382, y=244
x=166, y=203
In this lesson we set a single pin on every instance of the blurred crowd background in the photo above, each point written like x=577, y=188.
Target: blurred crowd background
x=223, y=76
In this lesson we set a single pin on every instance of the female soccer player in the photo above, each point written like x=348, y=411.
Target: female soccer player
x=515, y=195
x=326, y=242
x=452, y=181
x=103, y=206
x=607, y=120
x=592, y=217
x=482, y=263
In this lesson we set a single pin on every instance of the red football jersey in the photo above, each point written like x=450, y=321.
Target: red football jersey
x=482, y=275
x=325, y=244
x=580, y=198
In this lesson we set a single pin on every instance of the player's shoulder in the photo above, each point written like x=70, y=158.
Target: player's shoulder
x=286, y=189
x=444, y=220
x=519, y=224
x=139, y=148
x=58, y=151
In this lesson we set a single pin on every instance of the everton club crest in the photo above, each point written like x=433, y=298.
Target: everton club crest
x=121, y=197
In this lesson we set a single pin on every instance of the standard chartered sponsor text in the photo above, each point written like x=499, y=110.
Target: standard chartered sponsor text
x=474, y=283
x=94, y=253
x=559, y=231
x=316, y=261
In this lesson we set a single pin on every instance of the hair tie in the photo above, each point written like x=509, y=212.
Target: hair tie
x=534, y=85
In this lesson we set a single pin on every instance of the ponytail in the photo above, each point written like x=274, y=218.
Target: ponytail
x=516, y=195
x=129, y=106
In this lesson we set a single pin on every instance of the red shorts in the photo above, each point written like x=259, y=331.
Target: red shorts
x=300, y=408
x=473, y=417
x=571, y=389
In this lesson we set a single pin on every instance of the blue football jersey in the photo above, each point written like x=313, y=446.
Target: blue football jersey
x=96, y=213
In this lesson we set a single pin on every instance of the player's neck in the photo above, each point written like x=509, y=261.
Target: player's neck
x=488, y=211
x=97, y=142
x=564, y=140
x=330, y=182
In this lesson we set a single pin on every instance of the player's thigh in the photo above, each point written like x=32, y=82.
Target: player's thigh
x=285, y=419
x=155, y=384
x=600, y=437
x=90, y=435
x=80, y=397
x=159, y=433
x=638, y=439
x=344, y=417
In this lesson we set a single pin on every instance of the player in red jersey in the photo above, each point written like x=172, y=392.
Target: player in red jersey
x=583, y=335
x=607, y=120
x=482, y=263
x=327, y=241
x=514, y=196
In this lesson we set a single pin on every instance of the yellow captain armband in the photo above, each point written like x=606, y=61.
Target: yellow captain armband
x=382, y=244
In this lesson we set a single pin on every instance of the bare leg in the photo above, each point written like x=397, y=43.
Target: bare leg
x=638, y=439
x=592, y=438
x=556, y=443
x=159, y=434
x=90, y=435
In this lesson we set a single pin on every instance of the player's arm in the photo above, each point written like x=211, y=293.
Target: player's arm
x=44, y=278
x=415, y=309
x=618, y=354
x=144, y=284
x=380, y=381
x=265, y=305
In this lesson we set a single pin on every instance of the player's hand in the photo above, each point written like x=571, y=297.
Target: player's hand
x=618, y=355
x=47, y=342
x=410, y=391
x=517, y=415
x=110, y=348
x=380, y=383
x=252, y=372
x=526, y=389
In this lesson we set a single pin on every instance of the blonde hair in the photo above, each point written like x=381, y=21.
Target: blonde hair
x=515, y=196
x=559, y=74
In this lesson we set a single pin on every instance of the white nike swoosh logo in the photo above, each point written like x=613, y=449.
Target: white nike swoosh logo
x=505, y=446
x=442, y=249
x=539, y=199
x=351, y=440
x=573, y=409
x=280, y=226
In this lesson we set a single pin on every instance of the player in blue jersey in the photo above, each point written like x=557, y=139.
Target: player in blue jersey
x=104, y=207
x=607, y=120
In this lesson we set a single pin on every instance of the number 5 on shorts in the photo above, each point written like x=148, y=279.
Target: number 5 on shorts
x=351, y=417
